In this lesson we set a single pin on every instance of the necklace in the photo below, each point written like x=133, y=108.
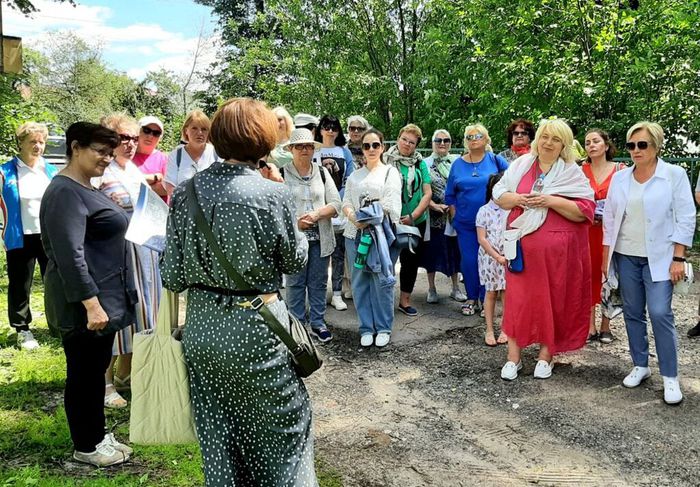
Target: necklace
x=475, y=165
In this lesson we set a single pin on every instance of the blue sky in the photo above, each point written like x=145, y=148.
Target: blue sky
x=136, y=36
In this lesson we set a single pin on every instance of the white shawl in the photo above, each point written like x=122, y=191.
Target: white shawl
x=564, y=179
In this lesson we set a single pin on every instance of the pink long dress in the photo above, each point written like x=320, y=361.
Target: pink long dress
x=549, y=302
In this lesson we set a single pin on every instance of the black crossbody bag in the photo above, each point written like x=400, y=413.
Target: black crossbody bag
x=305, y=356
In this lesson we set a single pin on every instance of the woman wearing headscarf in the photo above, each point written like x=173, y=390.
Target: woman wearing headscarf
x=122, y=181
x=251, y=410
x=23, y=180
x=415, y=198
x=549, y=295
x=442, y=251
x=649, y=222
x=465, y=193
x=519, y=135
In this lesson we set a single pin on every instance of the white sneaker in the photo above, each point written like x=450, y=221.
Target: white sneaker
x=510, y=370
x=382, y=339
x=26, y=341
x=458, y=296
x=367, y=340
x=543, y=369
x=112, y=441
x=672, y=390
x=103, y=456
x=338, y=303
x=347, y=294
x=433, y=296
x=636, y=377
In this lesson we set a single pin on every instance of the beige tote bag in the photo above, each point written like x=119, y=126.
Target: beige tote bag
x=161, y=411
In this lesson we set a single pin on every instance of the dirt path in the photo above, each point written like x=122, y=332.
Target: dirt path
x=431, y=409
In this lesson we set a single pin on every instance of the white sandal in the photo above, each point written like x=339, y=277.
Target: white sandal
x=114, y=400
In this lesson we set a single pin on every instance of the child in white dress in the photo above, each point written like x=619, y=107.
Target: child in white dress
x=490, y=225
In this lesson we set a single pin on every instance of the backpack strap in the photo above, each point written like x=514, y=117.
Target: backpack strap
x=178, y=157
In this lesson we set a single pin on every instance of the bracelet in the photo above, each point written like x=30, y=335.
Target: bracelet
x=678, y=259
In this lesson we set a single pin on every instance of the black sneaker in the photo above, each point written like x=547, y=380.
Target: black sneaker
x=321, y=333
x=606, y=337
x=593, y=338
x=694, y=332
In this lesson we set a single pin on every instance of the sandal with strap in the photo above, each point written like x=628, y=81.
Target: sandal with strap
x=468, y=309
x=502, y=339
x=122, y=384
x=490, y=339
x=114, y=400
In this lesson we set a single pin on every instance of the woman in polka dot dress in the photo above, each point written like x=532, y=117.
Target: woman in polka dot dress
x=252, y=412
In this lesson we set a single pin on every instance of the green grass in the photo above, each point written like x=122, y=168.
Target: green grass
x=34, y=438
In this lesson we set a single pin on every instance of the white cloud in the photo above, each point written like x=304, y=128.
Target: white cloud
x=137, y=48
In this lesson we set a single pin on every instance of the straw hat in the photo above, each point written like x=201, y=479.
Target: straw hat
x=301, y=136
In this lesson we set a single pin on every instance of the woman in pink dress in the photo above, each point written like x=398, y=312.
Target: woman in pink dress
x=549, y=296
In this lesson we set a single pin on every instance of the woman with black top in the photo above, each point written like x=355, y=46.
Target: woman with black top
x=89, y=289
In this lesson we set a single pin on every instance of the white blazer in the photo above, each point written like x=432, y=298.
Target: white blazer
x=669, y=215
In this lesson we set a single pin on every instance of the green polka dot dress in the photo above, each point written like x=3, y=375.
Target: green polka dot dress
x=252, y=412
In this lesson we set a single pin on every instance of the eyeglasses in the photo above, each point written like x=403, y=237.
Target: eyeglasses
x=126, y=138
x=302, y=147
x=474, y=137
x=373, y=145
x=353, y=128
x=520, y=133
x=406, y=141
x=103, y=151
x=446, y=140
x=150, y=131
x=330, y=128
x=641, y=145
x=308, y=126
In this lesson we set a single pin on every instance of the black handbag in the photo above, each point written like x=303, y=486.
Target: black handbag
x=407, y=237
x=305, y=356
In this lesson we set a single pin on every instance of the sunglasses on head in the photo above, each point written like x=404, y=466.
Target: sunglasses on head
x=373, y=145
x=642, y=145
x=475, y=137
x=153, y=132
x=354, y=128
x=519, y=133
x=126, y=138
x=446, y=140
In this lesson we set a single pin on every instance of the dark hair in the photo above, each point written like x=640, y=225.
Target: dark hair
x=612, y=150
x=86, y=133
x=493, y=179
x=375, y=132
x=243, y=129
x=527, y=125
x=340, y=140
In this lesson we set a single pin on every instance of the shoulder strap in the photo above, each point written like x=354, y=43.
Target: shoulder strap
x=179, y=157
x=204, y=229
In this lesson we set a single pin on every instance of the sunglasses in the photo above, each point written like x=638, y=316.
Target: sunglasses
x=103, y=151
x=353, y=128
x=303, y=146
x=641, y=145
x=475, y=137
x=331, y=128
x=519, y=133
x=126, y=138
x=446, y=140
x=373, y=145
x=150, y=131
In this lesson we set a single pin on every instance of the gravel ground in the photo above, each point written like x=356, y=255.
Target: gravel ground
x=431, y=409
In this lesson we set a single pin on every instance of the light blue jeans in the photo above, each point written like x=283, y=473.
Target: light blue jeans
x=312, y=279
x=639, y=294
x=374, y=304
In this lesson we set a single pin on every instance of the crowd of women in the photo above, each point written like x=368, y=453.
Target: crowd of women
x=288, y=198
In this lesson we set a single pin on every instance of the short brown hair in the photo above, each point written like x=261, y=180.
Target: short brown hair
x=244, y=129
x=119, y=121
x=527, y=125
x=414, y=129
x=195, y=116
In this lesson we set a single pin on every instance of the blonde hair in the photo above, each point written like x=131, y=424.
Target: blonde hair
x=556, y=127
x=195, y=116
x=655, y=132
x=243, y=129
x=280, y=111
x=480, y=129
x=29, y=128
x=414, y=129
x=120, y=121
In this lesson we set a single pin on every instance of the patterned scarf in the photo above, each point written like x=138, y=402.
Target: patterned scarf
x=442, y=164
x=394, y=158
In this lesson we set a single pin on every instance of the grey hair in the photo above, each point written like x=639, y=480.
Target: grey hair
x=441, y=131
x=359, y=118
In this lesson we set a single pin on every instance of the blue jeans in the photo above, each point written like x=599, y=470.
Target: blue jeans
x=469, y=264
x=639, y=294
x=312, y=279
x=374, y=304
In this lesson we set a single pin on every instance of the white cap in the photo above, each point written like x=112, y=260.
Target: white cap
x=150, y=120
x=302, y=119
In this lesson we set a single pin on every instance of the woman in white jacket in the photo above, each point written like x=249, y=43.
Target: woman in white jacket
x=648, y=222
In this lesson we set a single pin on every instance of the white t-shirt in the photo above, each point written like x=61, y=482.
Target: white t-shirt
x=32, y=183
x=631, y=239
x=333, y=159
x=188, y=167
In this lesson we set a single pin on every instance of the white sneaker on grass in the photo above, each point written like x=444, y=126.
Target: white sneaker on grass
x=103, y=456
x=26, y=340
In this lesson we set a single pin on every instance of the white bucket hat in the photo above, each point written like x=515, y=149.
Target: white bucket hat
x=301, y=136
x=303, y=119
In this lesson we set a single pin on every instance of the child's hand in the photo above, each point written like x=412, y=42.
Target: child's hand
x=501, y=260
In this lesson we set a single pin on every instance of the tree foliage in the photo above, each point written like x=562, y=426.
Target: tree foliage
x=446, y=63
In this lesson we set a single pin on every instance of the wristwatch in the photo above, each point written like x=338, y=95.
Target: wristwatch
x=678, y=259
